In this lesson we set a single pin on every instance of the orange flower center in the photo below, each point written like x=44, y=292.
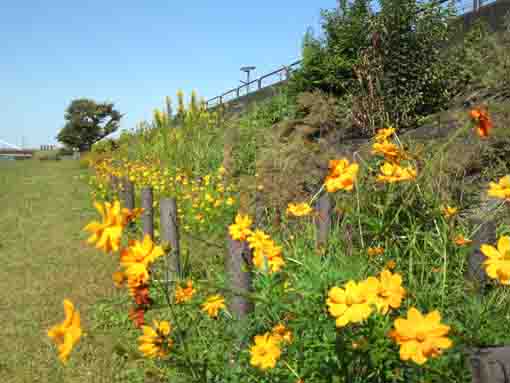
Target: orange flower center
x=421, y=336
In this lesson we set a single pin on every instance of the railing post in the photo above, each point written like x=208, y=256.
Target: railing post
x=237, y=92
x=287, y=72
x=148, y=211
x=475, y=272
x=169, y=227
x=259, y=83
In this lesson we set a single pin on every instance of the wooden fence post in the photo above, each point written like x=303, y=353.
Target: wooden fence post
x=148, y=211
x=475, y=272
x=128, y=194
x=169, y=228
x=114, y=182
x=323, y=220
x=238, y=264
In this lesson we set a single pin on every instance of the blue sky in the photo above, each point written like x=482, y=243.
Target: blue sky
x=134, y=53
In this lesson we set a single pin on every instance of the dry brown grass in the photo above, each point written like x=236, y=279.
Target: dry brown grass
x=44, y=260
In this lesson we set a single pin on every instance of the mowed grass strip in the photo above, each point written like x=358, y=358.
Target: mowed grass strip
x=44, y=260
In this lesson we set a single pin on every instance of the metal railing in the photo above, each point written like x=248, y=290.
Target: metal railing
x=462, y=6
x=264, y=81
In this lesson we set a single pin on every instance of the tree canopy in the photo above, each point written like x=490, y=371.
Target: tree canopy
x=88, y=122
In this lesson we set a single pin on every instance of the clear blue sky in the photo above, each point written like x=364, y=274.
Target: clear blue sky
x=134, y=53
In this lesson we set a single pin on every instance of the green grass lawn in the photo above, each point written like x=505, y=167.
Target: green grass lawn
x=44, y=207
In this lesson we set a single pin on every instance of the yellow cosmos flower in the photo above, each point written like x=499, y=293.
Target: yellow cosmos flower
x=497, y=264
x=184, y=294
x=342, y=175
x=145, y=252
x=389, y=150
x=389, y=291
x=351, y=304
x=372, y=251
x=501, y=189
x=268, y=252
x=449, y=211
x=106, y=234
x=213, y=304
x=420, y=336
x=136, y=275
x=258, y=239
x=384, y=134
x=299, y=210
x=395, y=173
x=282, y=333
x=68, y=333
x=119, y=278
x=155, y=341
x=265, y=352
x=241, y=228
x=460, y=240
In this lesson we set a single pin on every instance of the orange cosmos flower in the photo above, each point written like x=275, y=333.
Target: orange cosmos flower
x=68, y=333
x=184, y=294
x=106, y=234
x=461, y=241
x=341, y=175
x=420, y=336
x=484, y=123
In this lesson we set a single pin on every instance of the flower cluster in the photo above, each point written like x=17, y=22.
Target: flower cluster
x=267, y=347
x=419, y=337
x=199, y=198
x=267, y=255
x=356, y=301
x=106, y=234
x=391, y=170
x=135, y=261
x=342, y=175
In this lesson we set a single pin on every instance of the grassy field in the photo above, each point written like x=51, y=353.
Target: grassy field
x=44, y=260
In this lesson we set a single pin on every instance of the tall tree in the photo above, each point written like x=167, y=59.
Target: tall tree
x=88, y=122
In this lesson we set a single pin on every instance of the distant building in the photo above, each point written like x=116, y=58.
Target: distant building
x=48, y=147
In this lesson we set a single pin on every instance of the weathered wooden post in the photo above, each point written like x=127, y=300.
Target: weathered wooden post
x=169, y=228
x=323, y=220
x=148, y=211
x=128, y=193
x=488, y=363
x=114, y=182
x=475, y=272
x=238, y=264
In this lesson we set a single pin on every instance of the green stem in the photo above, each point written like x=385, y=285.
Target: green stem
x=424, y=171
x=317, y=194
